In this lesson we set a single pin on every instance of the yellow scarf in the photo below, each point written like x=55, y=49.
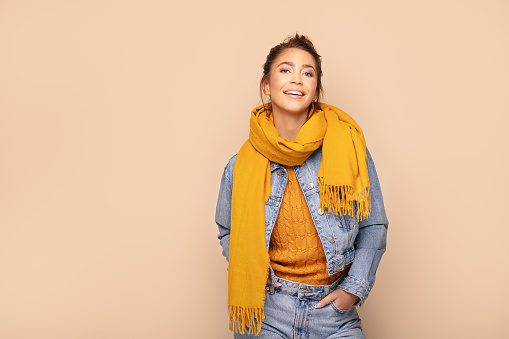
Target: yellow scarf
x=342, y=177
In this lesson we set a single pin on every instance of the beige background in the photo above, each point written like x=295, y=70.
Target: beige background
x=118, y=117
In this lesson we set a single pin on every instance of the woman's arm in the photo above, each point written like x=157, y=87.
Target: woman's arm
x=223, y=208
x=370, y=242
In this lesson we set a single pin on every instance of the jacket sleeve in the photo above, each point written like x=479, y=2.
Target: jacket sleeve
x=370, y=242
x=223, y=209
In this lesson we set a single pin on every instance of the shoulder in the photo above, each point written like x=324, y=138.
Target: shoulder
x=228, y=170
x=369, y=161
x=368, y=156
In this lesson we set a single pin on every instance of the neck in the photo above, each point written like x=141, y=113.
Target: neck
x=288, y=125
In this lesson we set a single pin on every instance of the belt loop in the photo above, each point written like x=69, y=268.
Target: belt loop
x=273, y=279
x=326, y=290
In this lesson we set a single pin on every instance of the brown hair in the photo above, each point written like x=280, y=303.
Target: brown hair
x=297, y=41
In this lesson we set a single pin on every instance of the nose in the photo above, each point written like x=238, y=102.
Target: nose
x=296, y=78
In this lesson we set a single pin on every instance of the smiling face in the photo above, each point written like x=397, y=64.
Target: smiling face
x=292, y=83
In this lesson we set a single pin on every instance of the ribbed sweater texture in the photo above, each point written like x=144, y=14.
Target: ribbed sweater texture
x=295, y=249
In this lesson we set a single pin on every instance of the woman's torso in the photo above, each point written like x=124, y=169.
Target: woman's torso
x=337, y=233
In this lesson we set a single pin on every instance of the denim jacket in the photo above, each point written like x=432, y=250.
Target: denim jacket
x=344, y=239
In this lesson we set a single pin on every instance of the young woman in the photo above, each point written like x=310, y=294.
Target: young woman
x=300, y=212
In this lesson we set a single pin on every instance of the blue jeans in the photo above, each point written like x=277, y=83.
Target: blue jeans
x=290, y=313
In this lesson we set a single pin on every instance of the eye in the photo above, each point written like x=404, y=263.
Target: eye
x=308, y=74
x=285, y=70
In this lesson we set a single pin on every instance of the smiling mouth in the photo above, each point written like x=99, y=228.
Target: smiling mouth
x=294, y=93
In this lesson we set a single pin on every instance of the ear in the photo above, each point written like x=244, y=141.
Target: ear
x=266, y=88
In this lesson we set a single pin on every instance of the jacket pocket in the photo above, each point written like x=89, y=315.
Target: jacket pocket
x=344, y=221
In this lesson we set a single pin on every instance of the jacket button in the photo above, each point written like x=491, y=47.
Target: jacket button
x=320, y=211
x=311, y=185
x=332, y=240
x=336, y=268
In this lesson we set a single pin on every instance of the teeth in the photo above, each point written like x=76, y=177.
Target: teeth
x=293, y=93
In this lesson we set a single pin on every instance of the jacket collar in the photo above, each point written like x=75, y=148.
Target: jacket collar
x=274, y=166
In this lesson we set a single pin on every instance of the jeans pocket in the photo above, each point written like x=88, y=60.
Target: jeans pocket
x=335, y=308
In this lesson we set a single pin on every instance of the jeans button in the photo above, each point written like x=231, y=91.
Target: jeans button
x=320, y=211
x=311, y=185
x=332, y=240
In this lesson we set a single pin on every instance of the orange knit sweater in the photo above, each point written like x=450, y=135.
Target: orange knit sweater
x=295, y=249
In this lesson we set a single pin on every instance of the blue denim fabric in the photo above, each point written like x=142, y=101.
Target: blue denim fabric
x=290, y=313
x=344, y=239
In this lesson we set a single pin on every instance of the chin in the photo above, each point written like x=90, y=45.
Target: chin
x=295, y=108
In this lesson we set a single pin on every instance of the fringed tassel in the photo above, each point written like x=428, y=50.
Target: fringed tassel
x=240, y=317
x=364, y=204
x=340, y=199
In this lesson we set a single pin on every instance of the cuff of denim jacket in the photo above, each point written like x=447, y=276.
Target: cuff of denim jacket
x=355, y=286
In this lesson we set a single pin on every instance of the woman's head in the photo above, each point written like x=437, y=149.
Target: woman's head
x=300, y=42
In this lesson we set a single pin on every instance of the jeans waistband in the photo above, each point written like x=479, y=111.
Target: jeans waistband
x=303, y=290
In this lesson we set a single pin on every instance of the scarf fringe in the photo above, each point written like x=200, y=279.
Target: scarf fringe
x=340, y=199
x=240, y=317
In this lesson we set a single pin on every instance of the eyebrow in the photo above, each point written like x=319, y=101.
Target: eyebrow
x=292, y=64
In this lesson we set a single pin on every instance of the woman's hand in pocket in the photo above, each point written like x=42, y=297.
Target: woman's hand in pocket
x=342, y=299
